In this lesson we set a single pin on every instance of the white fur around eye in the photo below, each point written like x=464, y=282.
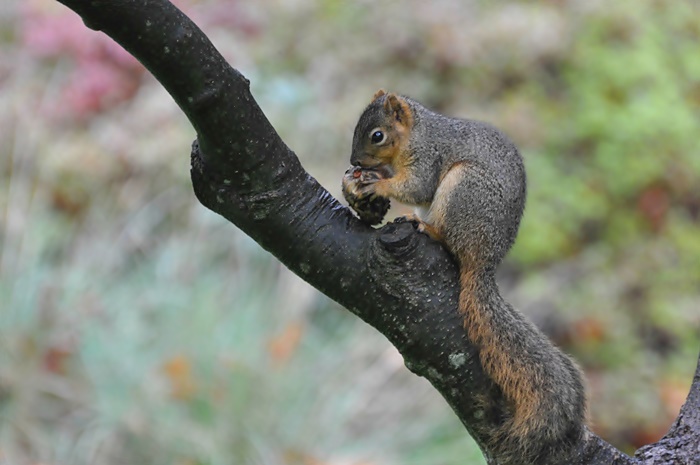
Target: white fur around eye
x=378, y=141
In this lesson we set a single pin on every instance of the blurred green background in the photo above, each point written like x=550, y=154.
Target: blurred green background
x=137, y=327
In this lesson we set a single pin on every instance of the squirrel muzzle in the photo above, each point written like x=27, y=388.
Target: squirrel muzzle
x=364, y=160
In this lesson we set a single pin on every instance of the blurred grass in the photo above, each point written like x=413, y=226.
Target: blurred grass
x=137, y=327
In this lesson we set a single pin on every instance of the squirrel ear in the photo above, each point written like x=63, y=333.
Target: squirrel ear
x=398, y=107
x=378, y=94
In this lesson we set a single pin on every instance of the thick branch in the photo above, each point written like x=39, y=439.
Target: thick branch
x=682, y=443
x=395, y=279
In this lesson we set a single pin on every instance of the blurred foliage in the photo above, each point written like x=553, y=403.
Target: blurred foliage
x=137, y=327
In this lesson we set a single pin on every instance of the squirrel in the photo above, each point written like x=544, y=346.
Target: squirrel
x=467, y=180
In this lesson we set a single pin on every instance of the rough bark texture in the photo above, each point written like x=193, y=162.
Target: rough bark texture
x=395, y=279
x=682, y=443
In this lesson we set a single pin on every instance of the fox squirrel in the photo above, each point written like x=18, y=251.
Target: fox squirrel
x=468, y=182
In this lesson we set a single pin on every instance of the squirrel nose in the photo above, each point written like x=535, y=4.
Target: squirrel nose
x=361, y=159
x=356, y=160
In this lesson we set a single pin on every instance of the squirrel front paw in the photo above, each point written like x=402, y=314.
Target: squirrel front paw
x=358, y=191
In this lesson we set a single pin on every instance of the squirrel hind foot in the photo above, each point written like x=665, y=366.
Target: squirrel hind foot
x=421, y=226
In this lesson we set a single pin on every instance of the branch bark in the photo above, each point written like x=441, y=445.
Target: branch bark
x=400, y=282
x=681, y=445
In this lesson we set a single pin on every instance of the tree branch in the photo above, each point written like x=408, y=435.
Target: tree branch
x=400, y=282
x=682, y=443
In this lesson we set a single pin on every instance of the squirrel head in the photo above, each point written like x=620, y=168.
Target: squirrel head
x=397, y=136
x=382, y=133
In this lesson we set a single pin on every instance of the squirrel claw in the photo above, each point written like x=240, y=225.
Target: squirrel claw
x=411, y=218
x=420, y=225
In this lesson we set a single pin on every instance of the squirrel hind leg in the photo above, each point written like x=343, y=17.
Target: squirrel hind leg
x=421, y=225
x=430, y=230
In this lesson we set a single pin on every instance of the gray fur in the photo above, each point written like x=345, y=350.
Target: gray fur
x=478, y=217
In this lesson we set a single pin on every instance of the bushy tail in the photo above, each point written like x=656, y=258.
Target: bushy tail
x=542, y=387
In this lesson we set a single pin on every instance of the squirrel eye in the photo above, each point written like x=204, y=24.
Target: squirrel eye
x=377, y=137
